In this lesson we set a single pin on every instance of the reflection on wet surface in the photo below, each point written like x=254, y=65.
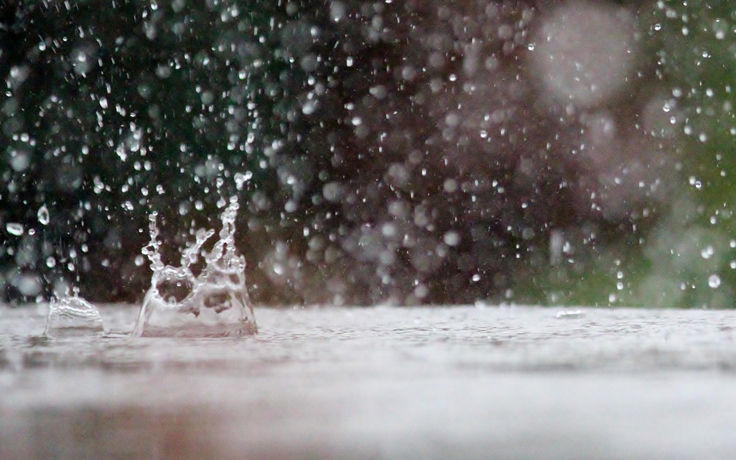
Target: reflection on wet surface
x=376, y=383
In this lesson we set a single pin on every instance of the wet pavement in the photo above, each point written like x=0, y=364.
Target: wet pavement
x=394, y=383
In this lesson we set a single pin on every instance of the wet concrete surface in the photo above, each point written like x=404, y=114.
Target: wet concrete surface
x=383, y=383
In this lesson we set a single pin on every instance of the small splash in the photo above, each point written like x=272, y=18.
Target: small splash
x=72, y=316
x=570, y=314
x=213, y=303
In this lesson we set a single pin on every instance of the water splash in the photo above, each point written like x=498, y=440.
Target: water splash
x=72, y=316
x=213, y=303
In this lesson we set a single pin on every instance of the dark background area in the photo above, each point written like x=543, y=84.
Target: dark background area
x=400, y=152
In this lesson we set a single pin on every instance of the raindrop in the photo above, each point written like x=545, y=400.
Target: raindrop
x=452, y=238
x=14, y=228
x=332, y=191
x=714, y=281
x=241, y=178
x=43, y=215
x=28, y=284
x=379, y=91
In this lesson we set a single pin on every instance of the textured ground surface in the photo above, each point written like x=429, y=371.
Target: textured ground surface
x=456, y=382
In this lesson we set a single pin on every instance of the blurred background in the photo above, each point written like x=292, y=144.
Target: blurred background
x=385, y=152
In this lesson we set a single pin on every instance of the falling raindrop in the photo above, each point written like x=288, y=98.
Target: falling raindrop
x=43, y=215
x=14, y=228
x=714, y=281
x=452, y=238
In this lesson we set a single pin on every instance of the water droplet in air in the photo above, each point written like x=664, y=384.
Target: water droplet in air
x=28, y=284
x=43, y=215
x=240, y=179
x=714, y=281
x=452, y=238
x=14, y=228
